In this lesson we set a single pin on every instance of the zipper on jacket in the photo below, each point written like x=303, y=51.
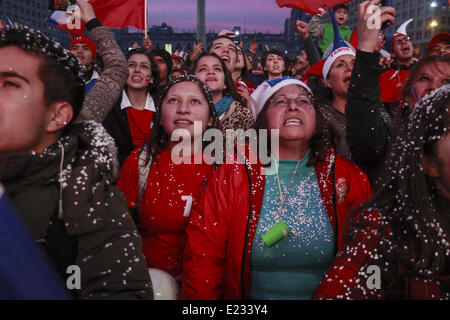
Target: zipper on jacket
x=334, y=208
x=247, y=229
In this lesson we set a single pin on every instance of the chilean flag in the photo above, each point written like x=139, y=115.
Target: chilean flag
x=310, y=6
x=115, y=14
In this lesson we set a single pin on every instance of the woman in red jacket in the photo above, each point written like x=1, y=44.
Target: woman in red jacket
x=257, y=236
x=163, y=183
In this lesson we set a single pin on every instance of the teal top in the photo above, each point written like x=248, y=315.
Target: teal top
x=328, y=35
x=293, y=267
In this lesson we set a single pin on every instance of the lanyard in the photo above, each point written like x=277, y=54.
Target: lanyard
x=287, y=190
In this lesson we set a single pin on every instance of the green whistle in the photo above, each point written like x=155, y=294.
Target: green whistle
x=279, y=231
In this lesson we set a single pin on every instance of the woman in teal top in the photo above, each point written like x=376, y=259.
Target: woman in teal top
x=293, y=267
x=272, y=232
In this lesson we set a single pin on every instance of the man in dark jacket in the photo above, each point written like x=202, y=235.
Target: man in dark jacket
x=59, y=174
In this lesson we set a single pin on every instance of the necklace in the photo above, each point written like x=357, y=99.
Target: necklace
x=279, y=230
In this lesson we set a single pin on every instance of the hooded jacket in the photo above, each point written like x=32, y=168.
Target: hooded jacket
x=222, y=228
x=68, y=201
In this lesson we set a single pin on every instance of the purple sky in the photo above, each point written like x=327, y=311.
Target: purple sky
x=259, y=15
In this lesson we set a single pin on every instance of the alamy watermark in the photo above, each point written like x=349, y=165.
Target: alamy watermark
x=73, y=17
x=373, y=282
x=374, y=20
x=74, y=279
x=250, y=146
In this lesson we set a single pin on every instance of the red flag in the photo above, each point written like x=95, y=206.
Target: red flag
x=310, y=6
x=119, y=14
x=74, y=33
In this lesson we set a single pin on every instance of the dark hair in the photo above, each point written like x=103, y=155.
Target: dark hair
x=408, y=199
x=159, y=139
x=222, y=37
x=60, y=71
x=230, y=89
x=152, y=87
x=244, y=72
x=183, y=70
x=165, y=55
x=278, y=53
x=323, y=94
x=320, y=142
x=340, y=6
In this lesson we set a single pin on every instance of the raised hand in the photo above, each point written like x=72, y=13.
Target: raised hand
x=197, y=50
x=370, y=20
x=86, y=11
x=147, y=44
x=253, y=45
x=302, y=28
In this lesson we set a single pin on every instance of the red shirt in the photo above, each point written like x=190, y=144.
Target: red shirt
x=139, y=122
x=392, y=83
x=172, y=190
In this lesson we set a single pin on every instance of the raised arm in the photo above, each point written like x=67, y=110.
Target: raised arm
x=101, y=98
x=368, y=125
x=310, y=47
x=315, y=27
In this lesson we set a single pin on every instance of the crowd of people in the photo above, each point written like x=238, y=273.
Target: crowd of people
x=93, y=176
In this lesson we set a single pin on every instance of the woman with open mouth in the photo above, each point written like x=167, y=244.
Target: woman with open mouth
x=161, y=184
x=336, y=73
x=271, y=233
x=231, y=109
x=129, y=120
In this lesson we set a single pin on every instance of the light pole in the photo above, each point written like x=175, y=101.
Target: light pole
x=201, y=28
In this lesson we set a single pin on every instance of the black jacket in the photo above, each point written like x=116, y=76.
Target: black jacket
x=369, y=127
x=116, y=123
x=93, y=228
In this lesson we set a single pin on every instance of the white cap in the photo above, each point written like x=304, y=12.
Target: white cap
x=402, y=28
x=400, y=31
x=342, y=51
x=267, y=89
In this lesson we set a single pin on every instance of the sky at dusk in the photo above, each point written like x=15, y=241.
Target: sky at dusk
x=259, y=15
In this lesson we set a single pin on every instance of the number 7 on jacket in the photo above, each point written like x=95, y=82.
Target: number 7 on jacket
x=187, y=207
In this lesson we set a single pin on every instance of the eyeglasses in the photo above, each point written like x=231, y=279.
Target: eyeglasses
x=400, y=41
x=300, y=102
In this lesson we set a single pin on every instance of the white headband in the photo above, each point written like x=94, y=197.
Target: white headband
x=266, y=89
x=332, y=58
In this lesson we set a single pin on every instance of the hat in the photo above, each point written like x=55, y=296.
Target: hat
x=87, y=41
x=177, y=58
x=166, y=56
x=401, y=31
x=439, y=37
x=354, y=38
x=267, y=89
x=340, y=47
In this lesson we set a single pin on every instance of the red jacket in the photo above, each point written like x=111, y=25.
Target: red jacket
x=391, y=83
x=350, y=276
x=220, y=233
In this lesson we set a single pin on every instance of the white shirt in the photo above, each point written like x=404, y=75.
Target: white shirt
x=149, y=103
